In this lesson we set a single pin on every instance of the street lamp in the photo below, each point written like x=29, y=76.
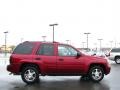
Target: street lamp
x=67, y=41
x=21, y=40
x=44, y=37
x=5, y=42
x=83, y=44
x=53, y=29
x=100, y=40
x=111, y=44
x=87, y=39
x=95, y=44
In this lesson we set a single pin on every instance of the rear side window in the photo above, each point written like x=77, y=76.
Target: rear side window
x=46, y=49
x=115, y=50
x=24, y=48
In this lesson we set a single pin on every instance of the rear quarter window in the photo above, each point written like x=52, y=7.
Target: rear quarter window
x=24, y=48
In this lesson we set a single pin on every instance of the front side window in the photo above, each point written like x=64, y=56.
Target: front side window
x=24, y=48
x=46, y=49
x=64, y=50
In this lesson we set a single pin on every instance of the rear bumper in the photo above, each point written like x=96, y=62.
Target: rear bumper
x=13, y=68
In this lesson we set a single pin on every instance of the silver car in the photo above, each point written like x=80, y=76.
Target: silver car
x=115, y=55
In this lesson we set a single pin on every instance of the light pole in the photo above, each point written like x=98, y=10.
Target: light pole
x=115, y=43
x=67, y=41
x=100, y=40
x=95, y=46
x=111, y=44
x=5, y=42
x=44, y=37
x=87, y=39
x=53, y=29
x=83, y=44
x=21, y=40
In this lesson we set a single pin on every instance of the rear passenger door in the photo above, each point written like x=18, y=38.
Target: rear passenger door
x=47, y=58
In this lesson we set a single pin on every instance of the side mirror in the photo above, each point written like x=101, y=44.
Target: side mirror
x=94, y=54
x=78, y=54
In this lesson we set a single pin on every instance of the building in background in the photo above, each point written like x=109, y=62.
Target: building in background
x=9, y=48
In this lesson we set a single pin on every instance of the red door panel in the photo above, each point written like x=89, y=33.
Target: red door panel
x=69, y=65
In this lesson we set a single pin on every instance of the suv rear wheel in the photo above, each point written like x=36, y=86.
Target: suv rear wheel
x=96, y=73
x=30, y=75
x=117, y=60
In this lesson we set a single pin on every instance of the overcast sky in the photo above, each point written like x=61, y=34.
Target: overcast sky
x=30, y=19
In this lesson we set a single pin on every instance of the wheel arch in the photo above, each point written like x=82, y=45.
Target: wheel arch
x=115, y=59
x=97, y=64
x=25, y=64
x=116, y=56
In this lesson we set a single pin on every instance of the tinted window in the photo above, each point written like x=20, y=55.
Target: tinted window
x=24, y=48
x=115, y=50
x=64, y=50
x=46, y=49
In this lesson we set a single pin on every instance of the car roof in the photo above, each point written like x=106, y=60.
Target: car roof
x=40, y=42
x=46, y=42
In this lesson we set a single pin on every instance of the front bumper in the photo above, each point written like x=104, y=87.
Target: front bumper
x=108, y=68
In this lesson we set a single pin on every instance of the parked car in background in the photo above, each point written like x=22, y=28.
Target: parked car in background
x=100, y=54
x=89, y=52
x=95, y=53
x=31, y=59
x=114, y=55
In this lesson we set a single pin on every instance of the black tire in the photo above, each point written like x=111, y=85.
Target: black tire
x=117, y=60
x=96, y=73
x=30, y=75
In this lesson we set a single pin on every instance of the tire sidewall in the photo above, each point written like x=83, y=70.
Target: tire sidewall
x=90, y=73
x=32, y=68
x=116, y=60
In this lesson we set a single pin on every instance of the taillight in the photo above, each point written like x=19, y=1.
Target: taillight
x=10, y=59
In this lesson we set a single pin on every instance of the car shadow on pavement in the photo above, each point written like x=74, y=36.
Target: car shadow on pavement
x=87, y=84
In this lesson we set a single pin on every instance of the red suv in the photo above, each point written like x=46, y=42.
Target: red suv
x=31, y=59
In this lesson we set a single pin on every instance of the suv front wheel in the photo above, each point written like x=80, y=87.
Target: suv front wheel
x=117, y=60
x=30, y=75
x=96, y=73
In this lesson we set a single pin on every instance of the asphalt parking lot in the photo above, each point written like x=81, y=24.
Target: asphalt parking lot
x=10, y=82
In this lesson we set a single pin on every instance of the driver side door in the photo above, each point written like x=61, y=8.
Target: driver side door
x=67, y=60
